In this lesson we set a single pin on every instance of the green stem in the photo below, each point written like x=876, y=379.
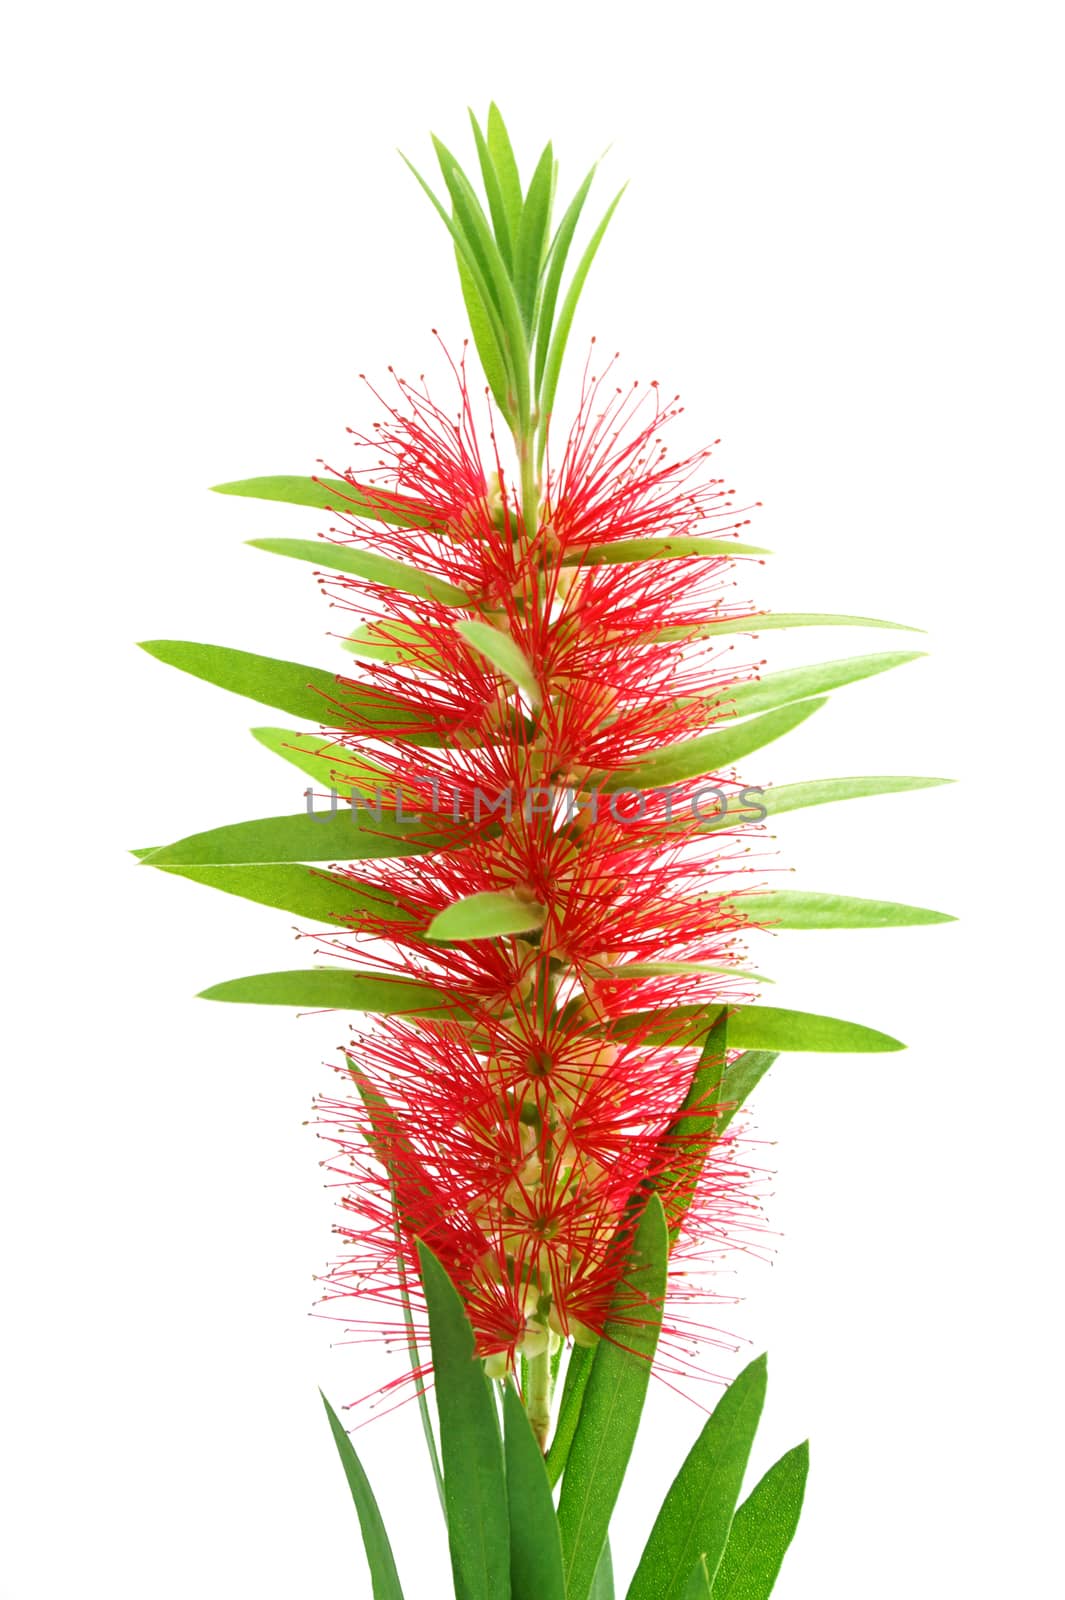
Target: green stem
x=538, y=1397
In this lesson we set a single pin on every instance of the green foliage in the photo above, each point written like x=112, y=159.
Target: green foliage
x=503, y=653
x=696, y=1514
x=762, y=1530
x=486, y=916
x=784, y=688
x=333, y=988
x=535, y=1545
x=796, y=908
x=347, y=835
x=475, y=1486
x=368, y=565
x=385, y=1578
x=331, y=494
x=613, y=1402
x=578, y=1371
x=710, y=752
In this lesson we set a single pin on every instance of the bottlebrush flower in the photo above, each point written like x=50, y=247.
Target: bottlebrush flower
x=517, y=1134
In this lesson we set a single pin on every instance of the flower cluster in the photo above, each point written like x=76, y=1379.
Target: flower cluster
x=515, y=1123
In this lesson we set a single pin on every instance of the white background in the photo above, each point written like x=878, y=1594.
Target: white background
x=837, y=243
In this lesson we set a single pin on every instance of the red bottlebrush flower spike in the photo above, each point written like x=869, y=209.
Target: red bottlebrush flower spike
x=542, y=890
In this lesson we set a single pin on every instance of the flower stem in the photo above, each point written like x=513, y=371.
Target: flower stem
x=538, y=1397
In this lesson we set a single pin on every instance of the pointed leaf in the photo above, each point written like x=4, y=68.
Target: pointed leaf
x=824, y=791
x=368, y=565
x=623, y=550
x=319, y=896
x=697, y=1512
x=613, y=1401
x=486, y=915
x=501, y=650
x=474, y=1483
x=762, y=1530
x=494, y=193
x=711, y=752
x=327, y=836
x=395, y=641
x=557, y=347
x=486, y=342
x=756, y=1028
x=532, y=235
x=385, y=1578
x=535, y=1547
x=333, y=494
x=502, y=154
x=578, y=1371
x=556, y=262
x=777, y=619
x=796, y=908
x=799, y=683
x=303, y=691
x=698, y=1584
x=329, y=765
x=603, y=1582
x=334, y=989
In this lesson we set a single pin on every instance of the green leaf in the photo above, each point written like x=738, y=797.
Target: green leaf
x=329, y=765
x=697, y=1512
x=289, y=686
x=556, y=262
x=776, y=619
x=756, y=1028
x=319, y=896
x=799, y=683
x=506, y=167
x=622, y=550
x=691, y=1134
x=501, y=650
x=491, y=353
x=557, y=347
x=486, y=915
x=334, y=989
x=535, y=1547
x=710, y=752
x=698, y=1584
x=667, y=969
x=578, y=1371
x=368, y=565
x=395, y=641
x=613, y=1401
x=796, y=908
x=334, y=494
x=474, y=1483
x=408, y=1322
x=532, y=236
x=494, y=191
x=603, y=1582
x=762, y=1530
x=341, y=836
x=385, y=1578
x=825, y=791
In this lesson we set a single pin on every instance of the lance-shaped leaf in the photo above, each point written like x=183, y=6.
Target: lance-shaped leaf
x=395, y=641
x=613, y=1402
x=557, y=348
x=800, y=683
x=474, y=1483
x=330, y=835
x=383, y=1574
x=318, y=896
x=688, y=1138
x=603, y=1582
x=335, y=989
x=710, y=752
x=578, y=1371
x=497, y=203
x=301, y=690
x=368, y=565
x=486, y=342
x=532, y=236
x=767, y=620
x=625, y=550
x=535, y=1546
x=502, y=154
x=796, y=908
x=330, y=766
x=333, y=494
x=755, y=804
x=755, y=1028
x=696, y=1513
x=555, y=266
x=762, y=1530
x=501, y=650
x=486, y=915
